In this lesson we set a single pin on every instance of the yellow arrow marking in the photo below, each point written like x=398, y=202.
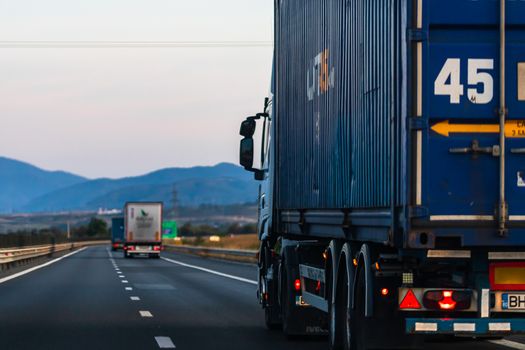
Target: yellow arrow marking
x=513, y=128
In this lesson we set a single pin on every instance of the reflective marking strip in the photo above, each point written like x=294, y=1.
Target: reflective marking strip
x=21, y=273
x=145, y=314
x=165, y=343
x=420, y=14
x=419, y=168
x=135, y=298
x=448, y=253
x=485, y=299
x=508, y=343
x=506, y=255
x=426, y=327
x=461, y=217
x=464, y=327
x=499, y=327
x=419, y=107
x=245, y=280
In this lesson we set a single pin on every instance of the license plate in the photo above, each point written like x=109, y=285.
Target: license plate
x=144, y=248
x=513, y=301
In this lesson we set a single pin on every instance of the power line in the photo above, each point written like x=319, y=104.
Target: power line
x=131, y=44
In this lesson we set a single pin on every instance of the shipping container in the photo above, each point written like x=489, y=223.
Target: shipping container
x=143, y=224
x=117, y=233
x=392, y=188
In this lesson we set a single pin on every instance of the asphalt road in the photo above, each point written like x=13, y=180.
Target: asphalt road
x=95, y=299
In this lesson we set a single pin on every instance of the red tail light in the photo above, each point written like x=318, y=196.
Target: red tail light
x=297, y=285
x=131, y=247
x=447, y=300
x=410, y=301
x=156, y=248
x=447, y=303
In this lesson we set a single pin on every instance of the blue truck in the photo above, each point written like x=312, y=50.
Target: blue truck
x=391, y=159
x=117, y=233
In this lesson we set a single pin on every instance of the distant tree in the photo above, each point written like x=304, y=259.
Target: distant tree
x=97, y=227
x=186, y=229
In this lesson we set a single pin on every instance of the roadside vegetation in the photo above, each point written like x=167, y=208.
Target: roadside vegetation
x=95, y=229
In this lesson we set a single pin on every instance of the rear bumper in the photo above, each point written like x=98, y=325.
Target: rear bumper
x=473, y=326
x=143, y=252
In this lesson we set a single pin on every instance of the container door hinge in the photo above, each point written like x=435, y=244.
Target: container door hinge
x=417, y=35
x=417, y=123
x=418, y=212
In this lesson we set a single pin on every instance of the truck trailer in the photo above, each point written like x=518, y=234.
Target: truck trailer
x=392, y=171
x=117, y=233
x=143, y=223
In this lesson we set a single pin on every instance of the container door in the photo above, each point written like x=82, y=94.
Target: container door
x=459, y=153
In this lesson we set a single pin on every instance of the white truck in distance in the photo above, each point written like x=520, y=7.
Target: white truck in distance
x=143, y=224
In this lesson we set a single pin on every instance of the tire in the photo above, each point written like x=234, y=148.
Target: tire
x=354, y=327
x=359, y=326
x=336, y=312
x=287, y=295
x=271, y=318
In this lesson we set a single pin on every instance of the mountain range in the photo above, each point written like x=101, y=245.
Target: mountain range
x=26, y=188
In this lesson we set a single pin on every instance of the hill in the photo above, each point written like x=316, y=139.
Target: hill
x=221, y=184
x=22, y=182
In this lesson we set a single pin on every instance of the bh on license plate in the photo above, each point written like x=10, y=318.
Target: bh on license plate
x=514, y=301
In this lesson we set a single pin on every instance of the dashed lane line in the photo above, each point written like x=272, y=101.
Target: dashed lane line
x=135, y=298
x=165, y=343
x=21, y=273
x=245, y=280
x=144, y=313
x=129, y=288
x=124, y=281
x=508, y=343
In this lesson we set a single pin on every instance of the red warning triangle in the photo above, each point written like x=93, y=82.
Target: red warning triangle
x=410, y=301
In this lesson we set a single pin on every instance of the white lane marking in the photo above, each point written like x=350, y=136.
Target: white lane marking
x=122, y=276
x=129, y=288
x=211, y=271
x=145, y=314
x=135, y=298
x=21, y=273
x=165, y=343
x=508, y=343
x=124, y=281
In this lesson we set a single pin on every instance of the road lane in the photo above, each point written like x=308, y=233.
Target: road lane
x=80, y=302
x=77, y=303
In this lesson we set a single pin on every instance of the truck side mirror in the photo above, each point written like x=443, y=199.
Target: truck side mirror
x=248, y=128
x=246, y=153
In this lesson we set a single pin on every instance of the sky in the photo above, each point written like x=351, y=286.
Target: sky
x=114, y=112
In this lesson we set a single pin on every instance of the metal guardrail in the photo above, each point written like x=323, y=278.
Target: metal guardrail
x=228, y=254
x=12, y=255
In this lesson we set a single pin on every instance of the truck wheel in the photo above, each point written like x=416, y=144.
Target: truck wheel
x=354, y=328
x=336, y=312
x=271, y=318
x=287, y=295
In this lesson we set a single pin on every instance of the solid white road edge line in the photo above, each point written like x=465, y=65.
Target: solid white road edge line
x=165, y=343
x=211, y=271
x=21, y=273
x=508, y=343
